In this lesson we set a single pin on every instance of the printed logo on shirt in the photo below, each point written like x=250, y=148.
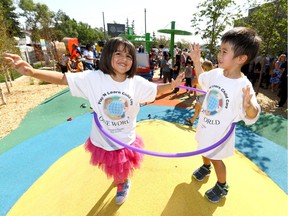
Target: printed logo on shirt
x=214, y=102
x=115, y=107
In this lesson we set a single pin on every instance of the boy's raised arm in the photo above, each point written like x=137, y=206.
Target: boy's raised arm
x=26, y=69
x=195, y=55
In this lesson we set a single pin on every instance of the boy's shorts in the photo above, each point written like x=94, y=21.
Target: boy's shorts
x=200, y=99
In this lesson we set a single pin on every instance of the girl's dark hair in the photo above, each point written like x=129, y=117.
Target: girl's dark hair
x=244, y=41
x=111, y=47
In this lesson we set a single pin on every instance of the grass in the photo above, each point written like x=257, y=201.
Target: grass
x=14, y=75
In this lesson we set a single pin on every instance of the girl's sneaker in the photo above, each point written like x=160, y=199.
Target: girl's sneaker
x=201, y=173
x=122, y=192
x=217, y=192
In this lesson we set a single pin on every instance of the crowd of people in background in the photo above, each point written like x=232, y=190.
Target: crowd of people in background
x=269, y=72
x=265, y=71
x=80, y=59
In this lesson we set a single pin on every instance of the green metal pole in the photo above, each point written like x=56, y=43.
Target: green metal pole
x=172, y=41
x=147, y=39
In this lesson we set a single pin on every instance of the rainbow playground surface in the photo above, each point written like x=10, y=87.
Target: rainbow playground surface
x=44, y=169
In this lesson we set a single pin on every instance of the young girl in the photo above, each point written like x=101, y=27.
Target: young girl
x=114, y=94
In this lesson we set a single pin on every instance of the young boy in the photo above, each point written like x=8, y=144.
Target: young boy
x=229, y=98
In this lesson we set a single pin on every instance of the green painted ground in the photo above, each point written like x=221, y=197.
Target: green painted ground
x=30, y=126
x=272, y=127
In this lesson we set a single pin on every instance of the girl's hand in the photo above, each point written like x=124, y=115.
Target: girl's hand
x=247, y=97
x=21, y=66
x=175, y=83
x=195, y=52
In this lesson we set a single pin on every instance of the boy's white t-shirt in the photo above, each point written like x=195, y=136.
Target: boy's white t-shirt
x=223, y=105
x=116, y=104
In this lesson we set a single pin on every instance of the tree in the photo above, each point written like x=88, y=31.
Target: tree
x=38, y=20
x=86, y=34
x=211, y=20
x=10, y=18
x=7, y=43
x=270, y=21
x=64, y=26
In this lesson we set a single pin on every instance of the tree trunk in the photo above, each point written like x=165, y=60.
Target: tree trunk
x=9, y=76
x=3, y=98
x=6, y=83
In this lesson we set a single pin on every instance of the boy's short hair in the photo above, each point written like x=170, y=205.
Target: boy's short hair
x=244, y=41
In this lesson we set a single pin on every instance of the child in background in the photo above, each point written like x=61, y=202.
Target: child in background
x=176, y=70
x=188, y=76
x=79, y=64
x=230, y=98
x=115, y=95
x=194, y=82
x=76, y=66
x=207, y=66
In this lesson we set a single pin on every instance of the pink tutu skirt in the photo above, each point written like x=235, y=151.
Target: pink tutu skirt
x=118, y=164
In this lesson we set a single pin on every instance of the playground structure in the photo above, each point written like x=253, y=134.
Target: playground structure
x=143, y=68
x=143, y=58
x=63, y=48
x=172, y=33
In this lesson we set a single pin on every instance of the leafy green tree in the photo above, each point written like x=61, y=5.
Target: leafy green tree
x=64, y=26
x=10, y=18
x=86, y=34
x=270, y=21
x=38, y=20
x=212, y=18
x=7, y=44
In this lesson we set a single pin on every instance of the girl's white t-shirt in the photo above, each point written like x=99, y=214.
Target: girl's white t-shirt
x=116, y=104
x=223, y=105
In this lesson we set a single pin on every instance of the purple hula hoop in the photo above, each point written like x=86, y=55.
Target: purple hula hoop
x=193, y=89
x=158, y=154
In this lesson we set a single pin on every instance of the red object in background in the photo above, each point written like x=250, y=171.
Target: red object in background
x=69, y=119
x=143, y=69
x=69, y=42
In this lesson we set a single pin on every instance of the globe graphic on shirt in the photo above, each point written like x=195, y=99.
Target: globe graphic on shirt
x=116, y=108
x=214, y=102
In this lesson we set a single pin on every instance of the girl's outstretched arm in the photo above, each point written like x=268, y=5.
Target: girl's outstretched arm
x=26, y=69
x=169, y=86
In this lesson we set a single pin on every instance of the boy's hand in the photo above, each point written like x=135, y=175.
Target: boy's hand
x=195, y=52
x=247, y=97
x=21, y=66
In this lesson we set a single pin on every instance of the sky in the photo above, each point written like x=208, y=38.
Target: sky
x=159, y=14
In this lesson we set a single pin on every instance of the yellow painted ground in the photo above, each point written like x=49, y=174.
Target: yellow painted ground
x=162, y=186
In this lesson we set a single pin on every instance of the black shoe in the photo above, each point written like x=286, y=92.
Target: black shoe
x=201, y=173
x=217, y=192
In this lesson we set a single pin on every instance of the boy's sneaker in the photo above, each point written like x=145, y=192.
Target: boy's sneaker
x=122, y=192
x=201, y=172
x=217, y=192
